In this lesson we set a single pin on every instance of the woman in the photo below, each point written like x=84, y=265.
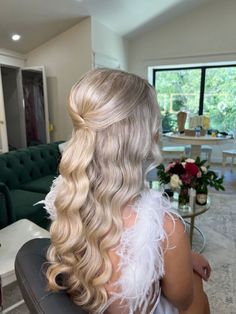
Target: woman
x=119, y=248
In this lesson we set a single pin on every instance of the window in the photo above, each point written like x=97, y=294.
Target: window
x=208, y=90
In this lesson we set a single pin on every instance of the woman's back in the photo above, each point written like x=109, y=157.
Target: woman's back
x=105, y=255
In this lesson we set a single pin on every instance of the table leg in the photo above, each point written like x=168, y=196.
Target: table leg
x=203, y=238
x=223, y=164
x=192, y=227
x=191, y=230
x=195, y=151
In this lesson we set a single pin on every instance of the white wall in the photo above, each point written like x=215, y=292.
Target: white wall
x=12, y=58
x=66, y=58
x=109, y=48
x=207, y=34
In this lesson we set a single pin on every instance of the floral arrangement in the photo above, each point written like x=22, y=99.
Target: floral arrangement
x=189, y=173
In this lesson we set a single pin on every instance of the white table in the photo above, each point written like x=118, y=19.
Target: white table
x=12, y=239
x=196, y=141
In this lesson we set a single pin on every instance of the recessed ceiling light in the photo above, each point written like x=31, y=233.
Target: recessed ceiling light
x=15, y=37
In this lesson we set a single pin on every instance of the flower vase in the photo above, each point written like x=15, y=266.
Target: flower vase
x=184, y=199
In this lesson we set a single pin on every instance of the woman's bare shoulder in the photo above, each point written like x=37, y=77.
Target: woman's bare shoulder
x=173, y=225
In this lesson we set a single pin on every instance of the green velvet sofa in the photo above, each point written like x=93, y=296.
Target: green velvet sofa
x=26, y=176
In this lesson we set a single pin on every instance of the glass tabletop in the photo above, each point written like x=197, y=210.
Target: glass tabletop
x=198, y=210
x=189, y=212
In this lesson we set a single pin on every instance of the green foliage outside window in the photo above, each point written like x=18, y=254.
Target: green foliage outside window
x=220, y=99
x=180, y=90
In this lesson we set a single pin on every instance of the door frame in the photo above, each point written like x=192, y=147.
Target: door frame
x=21, y=104
x=3, y=127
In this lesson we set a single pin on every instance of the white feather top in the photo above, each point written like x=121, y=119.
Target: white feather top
x=141, y=254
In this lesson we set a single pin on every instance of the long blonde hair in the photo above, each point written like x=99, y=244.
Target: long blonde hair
x=116, y=119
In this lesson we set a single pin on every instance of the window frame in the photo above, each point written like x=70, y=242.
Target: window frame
x=202, y=67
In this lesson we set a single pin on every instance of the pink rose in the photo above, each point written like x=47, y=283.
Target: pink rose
x=199, y=174
x=169, y=166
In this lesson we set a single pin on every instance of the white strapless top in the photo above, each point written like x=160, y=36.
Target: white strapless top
x=141, y=254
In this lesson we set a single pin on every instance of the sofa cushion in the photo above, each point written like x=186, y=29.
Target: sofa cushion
x=27, y=174
x=45, y=158
x=23, y=205
x=41, y=185
x=40, y=218
x=4, y=220
x=24, y=165
x=15, y=167
x=6, y=213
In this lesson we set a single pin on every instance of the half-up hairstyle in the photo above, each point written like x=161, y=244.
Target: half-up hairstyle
x=116, y=120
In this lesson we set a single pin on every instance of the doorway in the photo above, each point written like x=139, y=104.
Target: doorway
x=26, y=115
x=14, y=114
x=35, y=126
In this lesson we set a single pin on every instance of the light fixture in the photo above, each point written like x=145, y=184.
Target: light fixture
x=15, y=37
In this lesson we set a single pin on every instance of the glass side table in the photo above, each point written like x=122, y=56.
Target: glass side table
x=191, y=214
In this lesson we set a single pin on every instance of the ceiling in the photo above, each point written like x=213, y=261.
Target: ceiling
x=39, y=20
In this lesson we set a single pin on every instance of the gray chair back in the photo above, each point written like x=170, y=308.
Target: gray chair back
x=30, y=268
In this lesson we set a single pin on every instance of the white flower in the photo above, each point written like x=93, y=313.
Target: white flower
x=204, y=169
x=183, y=164
x=175, y=181
x=190, y=160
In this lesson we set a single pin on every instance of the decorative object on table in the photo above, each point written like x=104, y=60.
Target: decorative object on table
x=168, y=192
x=199, y=120
x=198, y=131
x=181, y=119
x=197, y=125
x=201, y=194
x=192, y=132
x=182, y=175
x=183, y=198
x=192, y=198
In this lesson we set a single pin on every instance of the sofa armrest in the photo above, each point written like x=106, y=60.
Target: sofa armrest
x=7, y=215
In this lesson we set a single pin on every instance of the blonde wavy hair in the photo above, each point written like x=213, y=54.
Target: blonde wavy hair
x=116, y=120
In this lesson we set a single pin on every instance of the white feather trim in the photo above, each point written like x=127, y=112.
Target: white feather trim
x=50, y=199
x=141, y=254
